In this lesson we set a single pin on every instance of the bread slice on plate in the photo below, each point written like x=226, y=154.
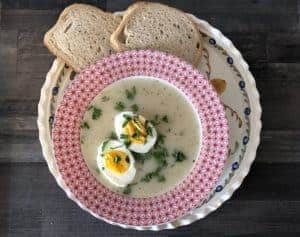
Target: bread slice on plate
x=81, y=35
x=157, y=26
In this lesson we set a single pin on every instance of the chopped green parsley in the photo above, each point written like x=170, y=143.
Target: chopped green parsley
x=96, y=113
x=117, y=159
x=119, y=106
x=135, y=108
x=105, y=144
x=165, y=119
x=179, y=156
x=130, y=94
x=105, y=98
x=85, y=125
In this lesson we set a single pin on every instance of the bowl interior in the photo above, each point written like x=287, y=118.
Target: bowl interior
x=109, y=205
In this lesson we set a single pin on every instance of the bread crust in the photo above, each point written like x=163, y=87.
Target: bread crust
x=57, y=52
x=119, y=46
x=114, y=38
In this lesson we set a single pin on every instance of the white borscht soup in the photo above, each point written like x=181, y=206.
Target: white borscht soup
x=140, y=136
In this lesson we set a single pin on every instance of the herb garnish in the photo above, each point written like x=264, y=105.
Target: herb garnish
x=127, y=119
x=156, y=120
x=127, y=143
x=105, y=144
x=139, y=157
x=119, y=106
x=125, y=123
x=127, y=159
x=147, y=178
x=165, y=119
x=160, y=140
x=138, y=123
x=124, y=136
x=130, y=94
x=105, y=98
x=179, y=156
x=135, y=108
x=113, y=136
x=161, y=178
x=85, y=125
x=97, y=170
x=117, y=159
x=149, y=130
x=96, y=113
x=160, y=156
x=136, y=134
x=127, y=189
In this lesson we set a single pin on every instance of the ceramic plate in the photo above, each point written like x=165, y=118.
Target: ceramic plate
x=116, y=207
x=223, y=65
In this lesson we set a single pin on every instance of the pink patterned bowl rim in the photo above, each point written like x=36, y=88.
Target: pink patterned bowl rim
x=118, y=208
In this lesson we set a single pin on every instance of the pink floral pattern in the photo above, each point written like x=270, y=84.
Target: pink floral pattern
x=116, y=207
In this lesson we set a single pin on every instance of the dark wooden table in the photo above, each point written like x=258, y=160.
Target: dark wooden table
x=268, y=203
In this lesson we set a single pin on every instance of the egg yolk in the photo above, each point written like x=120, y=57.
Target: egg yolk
x=136, y=131
x=116, y=161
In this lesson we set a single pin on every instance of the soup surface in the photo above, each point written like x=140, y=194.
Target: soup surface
x=172, y=115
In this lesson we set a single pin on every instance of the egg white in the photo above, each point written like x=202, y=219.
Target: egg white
x=138, y=148
x=119, y=180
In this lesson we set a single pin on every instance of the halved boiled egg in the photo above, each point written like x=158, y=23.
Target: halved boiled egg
x=137, y=133
x=116, y=162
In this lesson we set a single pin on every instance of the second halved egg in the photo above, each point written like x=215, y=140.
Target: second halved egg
x=137, y=133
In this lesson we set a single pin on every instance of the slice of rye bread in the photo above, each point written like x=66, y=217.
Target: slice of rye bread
x=160, y=27
x=81, y=35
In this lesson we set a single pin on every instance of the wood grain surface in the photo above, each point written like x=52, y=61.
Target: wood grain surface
x=267, y=32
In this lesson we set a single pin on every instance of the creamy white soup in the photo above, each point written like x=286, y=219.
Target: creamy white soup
x=175, y=121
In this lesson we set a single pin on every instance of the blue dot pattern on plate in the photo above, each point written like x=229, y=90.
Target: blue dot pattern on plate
x=245, y=140
x=247, y=111
x=242, y=84
x=235, y=165
x=51, y=120
x=230, y=60
x=55, y=90
x=212, y=41
x=219, y=188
